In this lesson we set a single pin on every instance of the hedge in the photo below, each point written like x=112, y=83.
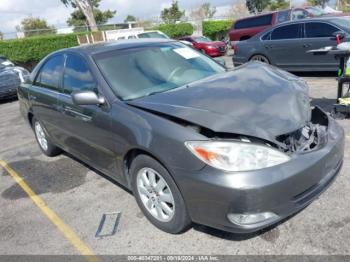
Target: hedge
x=216, y=30
x=176, y=30
x=33, y=49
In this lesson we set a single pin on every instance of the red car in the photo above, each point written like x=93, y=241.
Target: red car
x=247, y=27
x=207, y=46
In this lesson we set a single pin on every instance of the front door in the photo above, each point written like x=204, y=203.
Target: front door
x=282, y=46
x=85, y=129
x=44, y=94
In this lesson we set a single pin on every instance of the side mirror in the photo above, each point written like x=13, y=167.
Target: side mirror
x=87, y=98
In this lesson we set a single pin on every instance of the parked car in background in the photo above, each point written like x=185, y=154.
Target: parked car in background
x=133, y=34
x=247, y=27
x=190, y=140
x=206, y=45
x=286, y=45
x=11, y=77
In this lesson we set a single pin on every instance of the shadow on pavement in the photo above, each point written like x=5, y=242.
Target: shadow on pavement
x=43, y=177
x=316, y=74
x=8, y=100
x=325, y=103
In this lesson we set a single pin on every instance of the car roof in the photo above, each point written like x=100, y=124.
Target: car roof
x=261, y=14
x=92, y=49
x=312, y=19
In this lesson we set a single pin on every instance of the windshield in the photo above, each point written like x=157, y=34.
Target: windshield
x=202, y=39
x=142, y=71
x=152, y=35
x=316, y=11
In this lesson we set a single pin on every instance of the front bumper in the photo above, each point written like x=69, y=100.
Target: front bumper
x=211, y=194
x=216, y=52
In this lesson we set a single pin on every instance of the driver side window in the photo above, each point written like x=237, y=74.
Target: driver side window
x=77, y=76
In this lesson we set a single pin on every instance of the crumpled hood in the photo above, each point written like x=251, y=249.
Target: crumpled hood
x=254, y=100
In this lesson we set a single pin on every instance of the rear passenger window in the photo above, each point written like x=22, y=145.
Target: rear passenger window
x=50, y=74
x=254, y=21
x=77, y=76
x=319, y=30
x=286, y=32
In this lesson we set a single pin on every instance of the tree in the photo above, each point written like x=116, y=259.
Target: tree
x=279, y=4
x=202, y=12
x=257, y=6
x=87, y=14
x=130, y=18
x=238, y=10
x=318, y=2
x=32, y=26
x=1, y=35
x=172, y=14
x=79, y=19
x=343, y=5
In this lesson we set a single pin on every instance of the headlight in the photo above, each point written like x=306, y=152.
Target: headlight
x=211, y=47
x=236, y=156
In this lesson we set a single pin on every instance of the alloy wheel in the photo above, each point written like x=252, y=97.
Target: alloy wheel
x=41, y=136
x=155, y=194
x=260, y=58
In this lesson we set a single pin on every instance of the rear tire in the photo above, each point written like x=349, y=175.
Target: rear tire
x=260, y=58
x=46, y=146
x=158, y=196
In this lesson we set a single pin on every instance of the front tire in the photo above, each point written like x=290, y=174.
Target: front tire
x=158, y=196
x=46, y=146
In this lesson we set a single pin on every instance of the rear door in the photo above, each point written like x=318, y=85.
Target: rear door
x=44, y=94
x=85, y=129
x=318, y=35
x=281, y=45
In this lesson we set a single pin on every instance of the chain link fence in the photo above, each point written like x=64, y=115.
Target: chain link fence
x=146, y=23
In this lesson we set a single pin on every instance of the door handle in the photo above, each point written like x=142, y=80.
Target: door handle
x=31, y=97
x=73, y=112
x=268, y=46
x=306, y=45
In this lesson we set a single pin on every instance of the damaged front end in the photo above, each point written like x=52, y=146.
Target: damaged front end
x=310, y=137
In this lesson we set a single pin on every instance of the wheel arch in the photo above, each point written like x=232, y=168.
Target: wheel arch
x=131, y=154
x=260, y=53
x=30, y=117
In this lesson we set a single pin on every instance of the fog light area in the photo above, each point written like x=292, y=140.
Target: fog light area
x=250, y=219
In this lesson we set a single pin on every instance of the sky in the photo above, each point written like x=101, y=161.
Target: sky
x=56, y=13
x=13, y=11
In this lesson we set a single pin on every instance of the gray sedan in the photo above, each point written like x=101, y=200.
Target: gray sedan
x=192, y=141
x=286, y=45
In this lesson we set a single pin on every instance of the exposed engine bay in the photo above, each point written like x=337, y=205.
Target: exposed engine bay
x=310, y=137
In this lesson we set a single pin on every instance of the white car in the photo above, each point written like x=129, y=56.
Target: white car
x=133, y=34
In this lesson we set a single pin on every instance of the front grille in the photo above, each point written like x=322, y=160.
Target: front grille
x=221, y=49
